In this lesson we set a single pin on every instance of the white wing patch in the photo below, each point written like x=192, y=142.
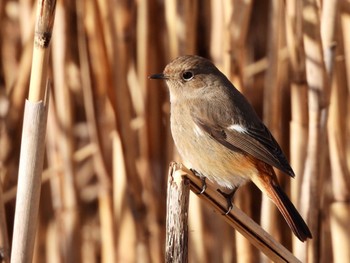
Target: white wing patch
x=197, y=131
x=237, y=128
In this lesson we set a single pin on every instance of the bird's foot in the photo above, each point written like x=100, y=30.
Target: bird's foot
x=228, y=197
x=203, y=178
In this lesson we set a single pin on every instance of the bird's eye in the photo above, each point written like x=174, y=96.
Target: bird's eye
x=187, y=75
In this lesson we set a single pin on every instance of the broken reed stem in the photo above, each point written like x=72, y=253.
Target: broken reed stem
x=29, y=181
x=236, y=218
x=176, y=243
x=33, y=138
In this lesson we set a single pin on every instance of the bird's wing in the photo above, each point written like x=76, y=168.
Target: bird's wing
x=256, y=140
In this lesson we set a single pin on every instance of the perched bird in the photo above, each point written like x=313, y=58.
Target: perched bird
x=218, y=132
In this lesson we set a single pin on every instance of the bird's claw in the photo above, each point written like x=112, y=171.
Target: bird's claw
x=228, y=197
x=203, y=178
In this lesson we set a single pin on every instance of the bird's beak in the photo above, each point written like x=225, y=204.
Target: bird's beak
x=158, y=76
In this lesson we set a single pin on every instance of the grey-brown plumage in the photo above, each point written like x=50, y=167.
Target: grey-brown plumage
x=218, y=132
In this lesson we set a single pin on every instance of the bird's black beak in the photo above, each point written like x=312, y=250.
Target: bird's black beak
x=158, y=76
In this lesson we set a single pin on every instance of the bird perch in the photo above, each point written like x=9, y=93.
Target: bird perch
x=179, y=182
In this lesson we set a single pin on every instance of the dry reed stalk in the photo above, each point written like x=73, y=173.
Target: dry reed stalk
x=182, y=39
x=340, y=207
x=245, y=250
x=107, y=26
x=147, y=102
x=127, y=222
x=114, y=230
x=53, y=158
x=339, y=211
x=342, y=77
x=172, y=27
x=32, y=148
x=272, y=106
x=318, y=89
x=299, y=104
x=29, y=181
x=144, y=58
x=94, y=96
x=328, y=29
x=42, y=37
x=50, y=172
x=63, y=187
x=255, y=63
x=215, y=21
x=129, y=135
x=10, y=135
x=345, y=21
x=45, y=245
x=4, y=239
x=228, y=61
x=107, y=228
x=19, y=90
x=89, y=247
x=51, y=242
x=238, y=18
x=237, y=28
x=191, y=20
x=298, y=126
x=27, y=14
x=2, y=11
x=125, y=225
x=196, y=221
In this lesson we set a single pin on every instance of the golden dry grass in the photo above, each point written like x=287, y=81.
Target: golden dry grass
x=108, y=144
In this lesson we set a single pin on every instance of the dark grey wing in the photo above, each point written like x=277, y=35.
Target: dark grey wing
x=256, y=141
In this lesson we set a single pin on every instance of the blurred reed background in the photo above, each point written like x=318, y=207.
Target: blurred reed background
x=108, y=144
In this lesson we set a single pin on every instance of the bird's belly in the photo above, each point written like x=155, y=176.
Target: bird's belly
x=210, y=158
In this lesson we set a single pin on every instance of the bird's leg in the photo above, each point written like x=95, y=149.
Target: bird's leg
x=203, y=178
x=228, y=197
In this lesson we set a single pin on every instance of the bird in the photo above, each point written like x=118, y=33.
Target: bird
x=218, y=132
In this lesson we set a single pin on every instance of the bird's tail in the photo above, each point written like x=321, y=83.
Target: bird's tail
x=268, y=184
x=290, y=213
